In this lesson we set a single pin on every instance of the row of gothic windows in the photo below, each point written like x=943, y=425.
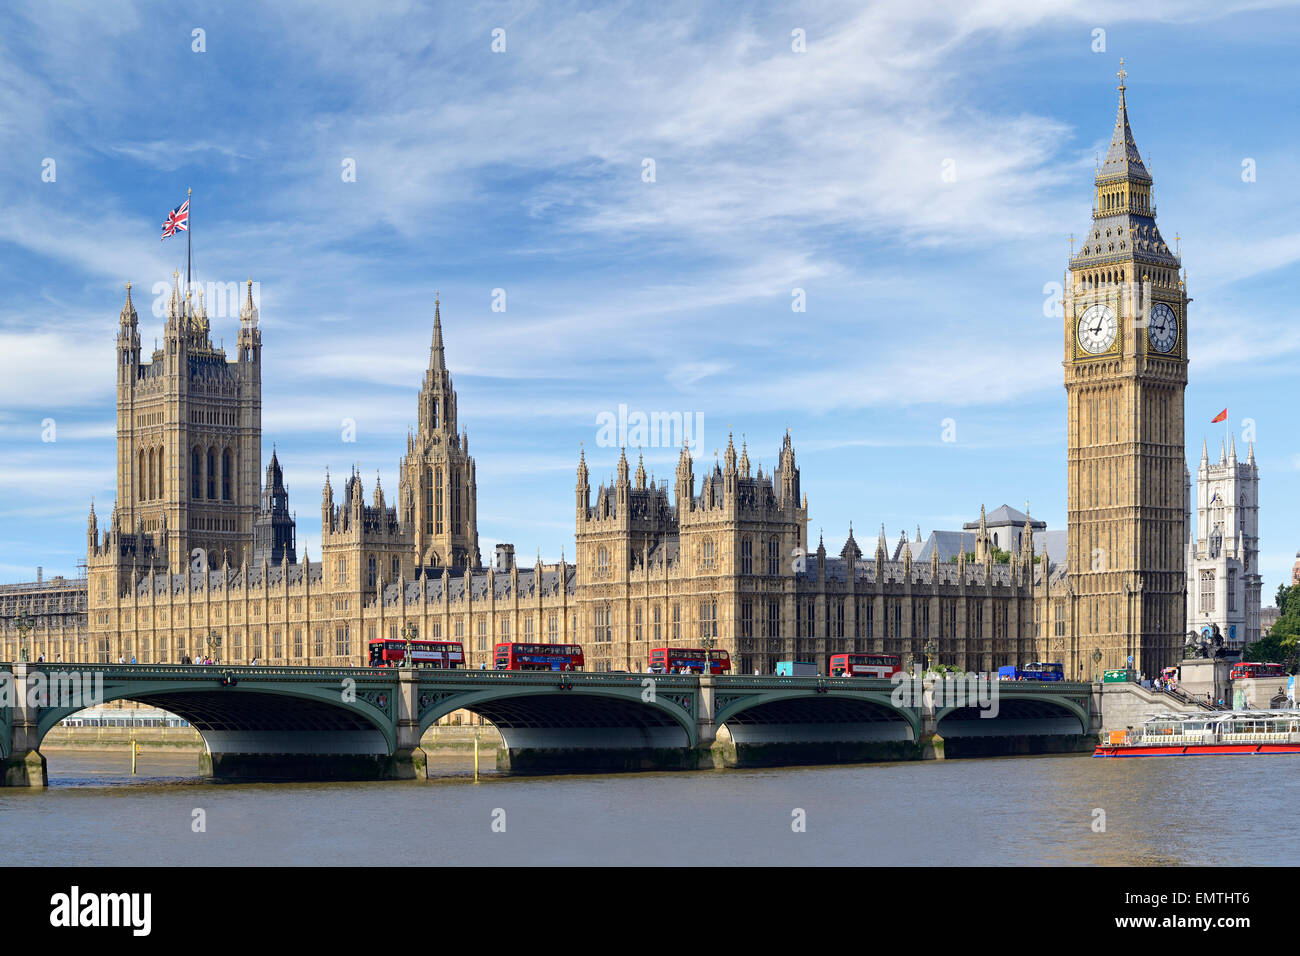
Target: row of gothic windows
x=151, y=485
x=211, y=472
x=433, y=503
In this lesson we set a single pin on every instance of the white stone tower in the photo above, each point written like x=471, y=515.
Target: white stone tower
x=1223, y=580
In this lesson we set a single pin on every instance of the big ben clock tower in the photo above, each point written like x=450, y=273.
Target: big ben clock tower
x=1125, y=374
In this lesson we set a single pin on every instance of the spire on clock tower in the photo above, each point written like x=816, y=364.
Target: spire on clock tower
x=1123, y=159
x=1124, y=212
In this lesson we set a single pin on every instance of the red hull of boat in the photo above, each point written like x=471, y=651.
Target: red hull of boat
x=1194, y=750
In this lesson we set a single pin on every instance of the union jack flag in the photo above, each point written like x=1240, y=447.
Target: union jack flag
x=178, y=220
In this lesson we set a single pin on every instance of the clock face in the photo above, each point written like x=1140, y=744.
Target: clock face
x=1162, y=329
x=1097, y=329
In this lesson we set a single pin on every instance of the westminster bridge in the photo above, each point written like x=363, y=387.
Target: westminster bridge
x=262, y=723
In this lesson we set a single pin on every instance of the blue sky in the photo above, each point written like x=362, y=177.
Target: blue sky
x=522, y=170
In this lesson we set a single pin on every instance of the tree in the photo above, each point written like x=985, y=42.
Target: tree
x=1269, y=650
x=1282, y=645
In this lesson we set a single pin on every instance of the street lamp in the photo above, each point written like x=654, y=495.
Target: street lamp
x=25, y=623
x=931, y=649
x=1096, y=660
x=214, y=644
x=410, y=632
x=707, y=641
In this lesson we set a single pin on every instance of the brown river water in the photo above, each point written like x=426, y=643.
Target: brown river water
x=1009, y=811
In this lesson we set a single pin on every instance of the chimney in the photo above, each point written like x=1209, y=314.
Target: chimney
x=505, y=558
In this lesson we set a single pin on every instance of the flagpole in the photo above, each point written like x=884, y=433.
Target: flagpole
x=190, y=225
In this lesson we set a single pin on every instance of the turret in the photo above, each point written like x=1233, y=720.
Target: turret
x=983, y=548
x=685, y=488
x=327, y=505
x=850, y=553
x=128, y=342
x=623, y=487
x=789, y=474
x=584, y=487
x=250, y=336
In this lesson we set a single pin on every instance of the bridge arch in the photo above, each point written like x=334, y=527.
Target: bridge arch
x=258, y=716
x=1020, y=712
x=813, y=713
x=559, y=714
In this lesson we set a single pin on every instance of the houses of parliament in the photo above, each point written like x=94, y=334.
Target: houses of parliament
x=198, y=555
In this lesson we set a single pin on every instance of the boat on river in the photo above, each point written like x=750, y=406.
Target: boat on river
x=1248, y=732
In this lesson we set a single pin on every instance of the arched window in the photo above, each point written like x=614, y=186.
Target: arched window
x=455, y=507
x=226, y=459
x=437, y=508
x=212, y=473
x=428, y=501
x=142, y=455
x=435, y=413
x=370, y=572
x=196, y=473
x=158, y=464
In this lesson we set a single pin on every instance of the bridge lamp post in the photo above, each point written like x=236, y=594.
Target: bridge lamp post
x=214, y=644
x=931, y=649
x=707, y=643
x=24, y=623
x=410, y=632
x=1096, y=661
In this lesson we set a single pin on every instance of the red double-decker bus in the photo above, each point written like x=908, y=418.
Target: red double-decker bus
x=1255, y=669
x=687, y=660
x=864, y=665
x=444, y=655
x=537, y=657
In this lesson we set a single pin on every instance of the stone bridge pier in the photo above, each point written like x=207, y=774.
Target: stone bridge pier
x=21, y=758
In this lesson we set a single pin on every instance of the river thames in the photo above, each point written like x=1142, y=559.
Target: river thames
x=1002, y=811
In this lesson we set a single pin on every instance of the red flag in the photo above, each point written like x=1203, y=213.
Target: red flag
x=1221, y=417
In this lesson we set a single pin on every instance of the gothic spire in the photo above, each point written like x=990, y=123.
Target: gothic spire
x=437, y=355
x=128, y=309
x=1123, y=161
x=248, y=313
